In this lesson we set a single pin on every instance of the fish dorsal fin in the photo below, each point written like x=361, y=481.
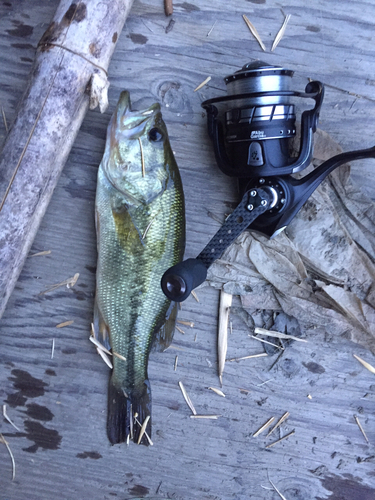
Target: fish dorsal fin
x=163, y=338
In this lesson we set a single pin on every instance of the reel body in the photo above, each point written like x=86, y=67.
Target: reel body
x=251, y=128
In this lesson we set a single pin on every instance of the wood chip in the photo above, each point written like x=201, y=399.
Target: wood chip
x=53, y=348
x=278, y=335
x=187, y=398
x=213, y=417
x=222, y=340
x=280, y=421
x=264, y=427
x=217, y=391
x=104, y=357
x=365, y=364
x=261, y=355
x=360, y=427
x=175, y=363
x=203, y=83
x=2, y=440
x=5, y=415
x=186, y=323
x=40, y=254
x=254, y=32
x=281, y=439
x=195, y=295
x=99, y=345
x=281, y=32
x=180, y=330
x=66, y=323
x=266, y=342
x=143, y=429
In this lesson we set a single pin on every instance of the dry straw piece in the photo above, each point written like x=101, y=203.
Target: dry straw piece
x=222, y=341
x=99, y=345
x=186, y=323
x=5, y=415
x=203, y=83
x=195, y=295
x=360, y=427
x=264, y=427
x=210, y=417
x=281, y=439
x=104, y=357
x=278, y=335
x=2, y=440
x=175, y=363
x=281, y=32
x=180, y=330
x=217, y=391
x=70, y=282
x=266, y=342
x=254, y=32
x=281, y=420
x=261, y=355
x=143, y=429
x=66, y=323
x=187, y=398
x=277, y=491
x=53, y=348
x=40, y=254
x=365, y=364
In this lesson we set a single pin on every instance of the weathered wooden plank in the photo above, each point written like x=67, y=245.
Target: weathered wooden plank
x=327, y=456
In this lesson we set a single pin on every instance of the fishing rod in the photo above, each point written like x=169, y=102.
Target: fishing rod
x=251, y=128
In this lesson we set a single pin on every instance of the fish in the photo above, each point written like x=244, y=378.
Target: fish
x=140, y=226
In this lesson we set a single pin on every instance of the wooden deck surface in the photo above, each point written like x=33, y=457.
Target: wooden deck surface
x=61, y=450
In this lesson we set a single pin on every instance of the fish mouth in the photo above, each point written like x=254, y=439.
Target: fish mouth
x=133, y=122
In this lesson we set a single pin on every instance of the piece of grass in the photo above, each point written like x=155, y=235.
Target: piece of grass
x=279, y=335
x=281, y=439
x=217, y=391
x=2, y=440
x=254, y=32
x=360, y=427
x=5, y=415
x=104, y=357
x=66, y=323
x=264, y=427
x=261, y=355
x=203, y=83
x=281, y=33
x=280, y=421
x=365, y=364
x=187, y=398
x=212, y=417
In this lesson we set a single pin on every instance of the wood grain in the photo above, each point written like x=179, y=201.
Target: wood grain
x=67, y=455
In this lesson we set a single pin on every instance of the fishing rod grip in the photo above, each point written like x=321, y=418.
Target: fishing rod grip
x=178, y=281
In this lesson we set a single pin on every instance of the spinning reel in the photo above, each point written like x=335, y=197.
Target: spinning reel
x=251, y=128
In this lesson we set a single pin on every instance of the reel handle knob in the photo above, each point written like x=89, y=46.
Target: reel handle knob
x=178, y=281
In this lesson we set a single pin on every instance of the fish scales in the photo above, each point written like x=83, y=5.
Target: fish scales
x=140, y=233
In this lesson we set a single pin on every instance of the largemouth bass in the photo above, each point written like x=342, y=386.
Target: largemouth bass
x=140, y=225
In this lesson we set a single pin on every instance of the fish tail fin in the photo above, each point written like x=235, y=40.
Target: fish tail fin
x=127, y=412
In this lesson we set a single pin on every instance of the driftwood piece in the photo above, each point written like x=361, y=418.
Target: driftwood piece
x=68, y=76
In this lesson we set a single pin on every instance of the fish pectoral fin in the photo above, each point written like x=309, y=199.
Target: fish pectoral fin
x=163, y=338
x=127, y=413
x=101, y=329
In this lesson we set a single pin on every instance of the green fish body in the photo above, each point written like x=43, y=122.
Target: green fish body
x=140, y=224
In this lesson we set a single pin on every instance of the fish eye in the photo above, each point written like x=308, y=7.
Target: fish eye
x=155, y=135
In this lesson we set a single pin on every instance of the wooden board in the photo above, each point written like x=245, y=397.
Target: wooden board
x=59, y=404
